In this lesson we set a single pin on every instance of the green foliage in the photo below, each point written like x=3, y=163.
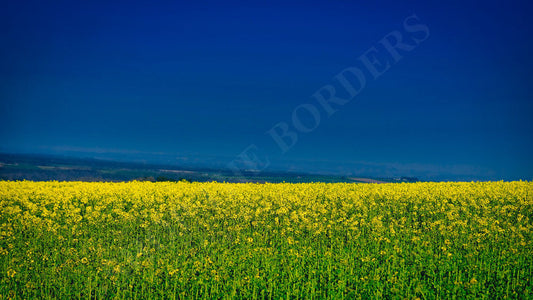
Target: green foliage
x=255, y=241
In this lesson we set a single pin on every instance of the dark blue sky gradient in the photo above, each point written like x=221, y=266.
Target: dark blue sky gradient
x=195, y=84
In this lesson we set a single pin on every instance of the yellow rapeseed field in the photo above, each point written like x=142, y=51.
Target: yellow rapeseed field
x=221, y=240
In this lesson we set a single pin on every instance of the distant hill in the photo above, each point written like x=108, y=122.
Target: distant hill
x=63, y=168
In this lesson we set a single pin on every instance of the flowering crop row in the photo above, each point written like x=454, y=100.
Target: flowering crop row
x=221, y=240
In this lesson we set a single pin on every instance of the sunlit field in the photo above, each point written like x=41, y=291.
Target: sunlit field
x=220, y=240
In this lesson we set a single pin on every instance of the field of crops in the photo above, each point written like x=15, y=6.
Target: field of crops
x=219, y=240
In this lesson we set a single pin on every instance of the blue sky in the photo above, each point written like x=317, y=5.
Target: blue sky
x=199, y=83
